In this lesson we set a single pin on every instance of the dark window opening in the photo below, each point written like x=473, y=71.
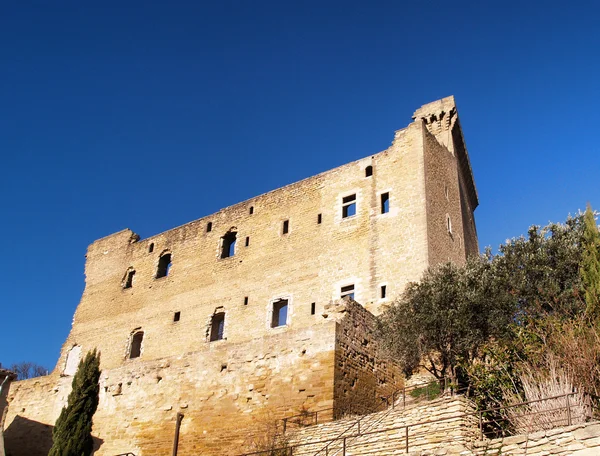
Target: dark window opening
x=246, y=300
x=385, y=203
x=209, y=227
x=368, y=171
x=319, y=218
x=151, y=248
x=313, y=308
x=247, y=241
x=349, y=206
x=136, y=345
x=164, y=266
x=228, y=248
x=177, y=316
x=251, y=210
x=347, y=291
x=280, y=310
x=129, y=279
x=286, y=227
x=383, y=291
x=217, y=326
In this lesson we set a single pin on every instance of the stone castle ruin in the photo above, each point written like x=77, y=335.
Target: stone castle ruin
x=252, y=313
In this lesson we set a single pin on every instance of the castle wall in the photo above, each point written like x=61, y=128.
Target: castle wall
x=296, y=244
x=364, y=379
x=221, y=390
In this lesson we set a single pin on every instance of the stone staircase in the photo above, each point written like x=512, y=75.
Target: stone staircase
x=426, y=426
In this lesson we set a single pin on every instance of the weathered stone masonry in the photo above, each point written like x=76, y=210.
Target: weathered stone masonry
x=229, y=317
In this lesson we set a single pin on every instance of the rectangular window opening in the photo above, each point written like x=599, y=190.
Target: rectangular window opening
x=286, y=227
x=217, y=326
x=347, y=291
x=313, y=308
x=319, y=219
x=129, y=279
x=385, y=203
x=383, y=291
x=246, y=300
x=349, y=206
x=247, y=241
x=280, y=310
x=176, y=316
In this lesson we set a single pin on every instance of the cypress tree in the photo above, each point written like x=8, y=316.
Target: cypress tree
x=590, y=264
x=72, y=434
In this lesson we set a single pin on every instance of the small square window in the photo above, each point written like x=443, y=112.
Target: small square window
x=349, y=206
x=280, y=311
x=385, y=203
x=347, y=291
x=176, y=316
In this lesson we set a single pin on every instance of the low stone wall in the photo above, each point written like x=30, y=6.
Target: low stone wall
x=578, y=440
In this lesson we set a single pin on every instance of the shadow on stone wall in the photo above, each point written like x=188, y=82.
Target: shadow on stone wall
x=25, y=437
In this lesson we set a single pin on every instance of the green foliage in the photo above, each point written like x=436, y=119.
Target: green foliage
x=590, y=265
x=481, y=323
x=445, y=318
x=72, y=434
x=429, y=391
x=541, y=272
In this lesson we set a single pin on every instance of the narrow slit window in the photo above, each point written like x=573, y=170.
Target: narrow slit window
x=319, y=219
x=176, y=316
x=349, y=206
x=246, y=300
x=313, y=308
x=151, y=248
x=228, y=244
x=135, y=350
x=449, y=224
x=129, y=279
x=286, y=227
x=251, y=210
x=383, y=291
x=385, y=203
x=247, y=241
x=280, y=311
x=347, y=292
x=368, y=171
x=209, y=227
x=217, y=326
x=164, y=266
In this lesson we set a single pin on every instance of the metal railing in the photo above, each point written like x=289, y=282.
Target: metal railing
x=399, y=437
x=426, y=391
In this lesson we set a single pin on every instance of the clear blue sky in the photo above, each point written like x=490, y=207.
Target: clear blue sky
x=149, y=115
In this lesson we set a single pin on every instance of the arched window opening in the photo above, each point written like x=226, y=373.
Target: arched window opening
x=128, y=282
x=135, y=349
x=164, y=265
x=228, y=244
x=368, y=171
x=217, y=326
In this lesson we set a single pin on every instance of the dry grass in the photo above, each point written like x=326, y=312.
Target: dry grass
x=546, y=413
